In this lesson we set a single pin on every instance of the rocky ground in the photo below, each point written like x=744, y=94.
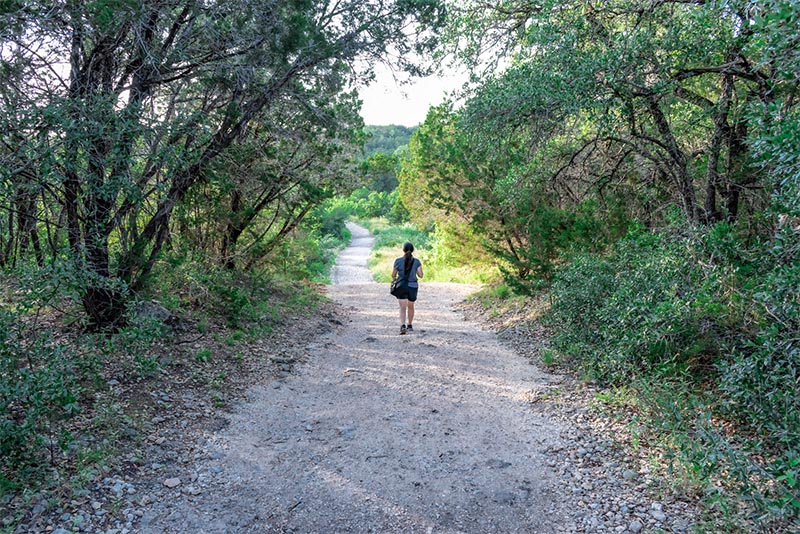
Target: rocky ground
x=613, y=480
x=348, y=427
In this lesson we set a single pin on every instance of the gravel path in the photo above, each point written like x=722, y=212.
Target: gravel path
x=445, y=430
x=429, y=432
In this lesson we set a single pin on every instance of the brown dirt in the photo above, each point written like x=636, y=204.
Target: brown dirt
x=337, y=424
x=428, y=432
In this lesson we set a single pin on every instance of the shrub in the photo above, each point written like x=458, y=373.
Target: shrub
x=543, y=236
x=761, y=380
x=706, y=329
x=643, y=307
x=332, y=216
x=39, y=391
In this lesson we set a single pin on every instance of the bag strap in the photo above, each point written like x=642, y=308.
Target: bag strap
x=406, y=272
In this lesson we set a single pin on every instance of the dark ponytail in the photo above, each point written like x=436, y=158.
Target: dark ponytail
x=408, y=248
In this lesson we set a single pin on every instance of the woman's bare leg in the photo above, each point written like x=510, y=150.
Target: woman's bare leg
x=410, y=312
x=403, y=306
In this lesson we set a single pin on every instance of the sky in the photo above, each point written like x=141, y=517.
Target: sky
x=388, y=102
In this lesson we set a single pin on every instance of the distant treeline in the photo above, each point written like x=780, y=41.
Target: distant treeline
x=386, y=139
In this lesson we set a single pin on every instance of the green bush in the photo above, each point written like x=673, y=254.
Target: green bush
x=399, y=213
x=647, y=305
x=394, y=236
x=543, y=236
x=705, y=324
x=367, y=204
x=39, y=392
x=362, y=203
x=761, y=381
x=331, y=217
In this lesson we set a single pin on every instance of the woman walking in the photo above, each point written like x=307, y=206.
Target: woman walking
x=410, y=268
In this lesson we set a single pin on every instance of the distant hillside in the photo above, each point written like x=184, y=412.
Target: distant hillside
x=387, y=139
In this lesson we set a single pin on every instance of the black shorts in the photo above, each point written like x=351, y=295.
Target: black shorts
x=411, y=294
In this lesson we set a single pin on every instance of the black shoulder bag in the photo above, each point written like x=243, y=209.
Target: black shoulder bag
x=399, y=287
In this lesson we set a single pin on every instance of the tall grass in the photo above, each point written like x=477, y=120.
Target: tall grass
x=443, y=258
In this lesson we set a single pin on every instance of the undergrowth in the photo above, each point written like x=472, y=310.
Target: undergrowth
x=63, y=420
x=446, y=256
x=705, y=330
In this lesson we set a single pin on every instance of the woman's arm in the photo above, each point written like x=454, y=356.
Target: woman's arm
x=394, y=273
x=419, y=271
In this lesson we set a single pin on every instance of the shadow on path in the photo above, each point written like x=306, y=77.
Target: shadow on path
x=425, y=433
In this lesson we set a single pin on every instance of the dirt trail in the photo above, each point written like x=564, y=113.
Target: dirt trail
x=429, y=432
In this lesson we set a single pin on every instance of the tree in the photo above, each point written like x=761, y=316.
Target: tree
x=130, y=103
x=386, y=139
x=289, y=162
x=585, y=115
x=664, y=84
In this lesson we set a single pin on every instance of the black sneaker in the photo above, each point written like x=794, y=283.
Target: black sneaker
x=402, y=329
x=409, y=328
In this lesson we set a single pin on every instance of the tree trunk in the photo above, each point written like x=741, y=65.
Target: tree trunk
x=105, y=307
x=737, y=155
x=233, y=230
x=7, y=250
x=679, y=166
x=37, y=247
x=721, y=128
x=71, y=191
x=288, y=226
x=240, y=218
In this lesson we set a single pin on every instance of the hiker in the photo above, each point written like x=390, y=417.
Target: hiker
x=409, y=268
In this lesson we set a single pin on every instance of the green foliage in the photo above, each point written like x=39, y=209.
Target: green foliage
x=40, y=391
x=234, y=338
x=457, y=171
x=548, y=357
x=102, y=163
x=618, y=106
x=380, y=171
x=447, y=253
x=758, y=380
x=386, y=139
x=51, y=374
x=501, y=291
x=141, y=331
x=388, y=235
x=363, y=204
x=329, y=218
x=755, y=485
x=706, y=329
x=203, y=355
x=493, y=296
x=646, y=307
x=312, y=250
x=368, y=204
x=548, y=235
x=455, y=253
x=775, y=137
x=241, y=300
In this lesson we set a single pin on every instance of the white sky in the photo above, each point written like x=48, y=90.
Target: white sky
x=387, y=102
